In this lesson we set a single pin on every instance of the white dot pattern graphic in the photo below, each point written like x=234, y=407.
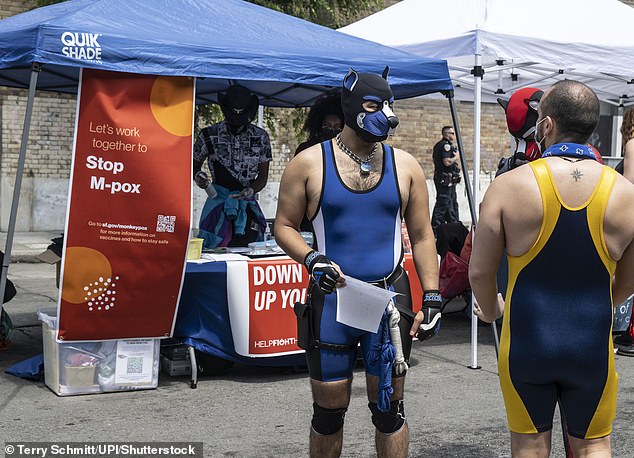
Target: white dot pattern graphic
x=100, y=294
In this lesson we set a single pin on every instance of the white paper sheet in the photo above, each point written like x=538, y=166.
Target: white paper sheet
x=361, y=305
x=206, y=257
x=134, y=361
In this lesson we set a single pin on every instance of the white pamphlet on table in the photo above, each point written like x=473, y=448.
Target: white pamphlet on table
x=361, y=305
x=207, y=257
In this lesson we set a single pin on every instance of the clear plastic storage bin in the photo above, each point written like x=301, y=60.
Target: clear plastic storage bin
x=99, y=366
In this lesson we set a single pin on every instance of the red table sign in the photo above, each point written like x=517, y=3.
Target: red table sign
x=261, y=295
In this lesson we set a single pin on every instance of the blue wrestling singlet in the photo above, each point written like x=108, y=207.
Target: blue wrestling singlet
x=556, y=343
x=361, y=232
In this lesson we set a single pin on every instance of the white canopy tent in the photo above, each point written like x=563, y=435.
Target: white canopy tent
x=494, y=47
x=519, y=44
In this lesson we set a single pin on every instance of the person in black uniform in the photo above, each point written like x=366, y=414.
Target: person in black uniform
x=446, y=177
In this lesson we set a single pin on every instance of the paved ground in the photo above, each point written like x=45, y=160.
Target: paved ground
x=453, y=411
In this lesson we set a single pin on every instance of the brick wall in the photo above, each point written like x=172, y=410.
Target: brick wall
x=13, y=7
x=51, y=136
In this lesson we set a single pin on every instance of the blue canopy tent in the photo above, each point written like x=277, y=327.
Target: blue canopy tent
x=286, y=61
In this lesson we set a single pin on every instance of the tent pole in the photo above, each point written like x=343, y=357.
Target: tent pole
x=478, y=72
x=617, y=121
x=474, y=217
x=35, y=70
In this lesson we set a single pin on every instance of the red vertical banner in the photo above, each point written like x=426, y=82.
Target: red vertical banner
x=129, y=208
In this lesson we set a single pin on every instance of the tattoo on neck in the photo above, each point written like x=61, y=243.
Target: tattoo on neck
x=576, y=175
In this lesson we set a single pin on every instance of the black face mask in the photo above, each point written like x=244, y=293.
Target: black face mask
x=329, y=132
x=371, y=126
x=238, y=106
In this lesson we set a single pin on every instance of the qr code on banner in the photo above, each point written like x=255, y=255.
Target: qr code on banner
x=135, y=365
x=165, y=223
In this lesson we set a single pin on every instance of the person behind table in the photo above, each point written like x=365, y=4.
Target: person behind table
x=568, y=235
x=356, y=189
x=324, y=120
x=238, y=155
x=446, y=177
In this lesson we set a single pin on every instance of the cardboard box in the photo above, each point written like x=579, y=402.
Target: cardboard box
x=99, y=366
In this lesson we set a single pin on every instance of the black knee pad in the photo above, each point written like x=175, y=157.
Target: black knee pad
x=391, y=421
x=327, y=421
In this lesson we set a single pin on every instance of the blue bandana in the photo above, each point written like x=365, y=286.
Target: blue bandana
x=570, y=150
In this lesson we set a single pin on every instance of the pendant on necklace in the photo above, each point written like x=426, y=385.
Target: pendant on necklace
x=365, y=168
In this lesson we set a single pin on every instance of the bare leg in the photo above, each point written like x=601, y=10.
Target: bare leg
x=393, y=445
x=531, y=445
x=330, y=395
x=595, y=448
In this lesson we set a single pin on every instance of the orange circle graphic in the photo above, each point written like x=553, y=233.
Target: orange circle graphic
x=172, y=104
x=83, y=266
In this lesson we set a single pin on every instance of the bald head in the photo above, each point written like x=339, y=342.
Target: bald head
x=574, y=107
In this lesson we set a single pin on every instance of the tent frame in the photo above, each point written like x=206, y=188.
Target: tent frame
x=35, y=71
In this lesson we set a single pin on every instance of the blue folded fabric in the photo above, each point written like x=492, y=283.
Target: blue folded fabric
x=232, y=207
x=224, y=217
x=30, y=369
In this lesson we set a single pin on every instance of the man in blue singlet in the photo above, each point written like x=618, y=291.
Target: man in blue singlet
x=356, y=191
x=566, y=224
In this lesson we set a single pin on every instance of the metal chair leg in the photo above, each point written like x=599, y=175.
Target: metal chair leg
x=193, y=383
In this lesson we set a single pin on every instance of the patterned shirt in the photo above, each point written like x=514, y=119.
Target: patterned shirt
x=240, y=154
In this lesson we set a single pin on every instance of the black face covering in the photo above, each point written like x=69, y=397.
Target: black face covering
x=371, y=126
x=238, y=106
x=329, y=132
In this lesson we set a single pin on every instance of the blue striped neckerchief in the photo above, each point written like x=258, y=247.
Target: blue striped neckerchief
x=574, y=150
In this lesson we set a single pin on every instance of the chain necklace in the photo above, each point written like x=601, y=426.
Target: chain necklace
x=572, y=159
x=365, y=167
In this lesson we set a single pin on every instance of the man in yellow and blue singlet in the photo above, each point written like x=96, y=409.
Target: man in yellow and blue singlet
x=566, y=224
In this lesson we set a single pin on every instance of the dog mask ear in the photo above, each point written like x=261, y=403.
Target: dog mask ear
x=503, y=103
x=350, y=80
x=386, y=70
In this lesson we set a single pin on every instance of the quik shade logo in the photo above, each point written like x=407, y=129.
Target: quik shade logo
x=82, y=46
